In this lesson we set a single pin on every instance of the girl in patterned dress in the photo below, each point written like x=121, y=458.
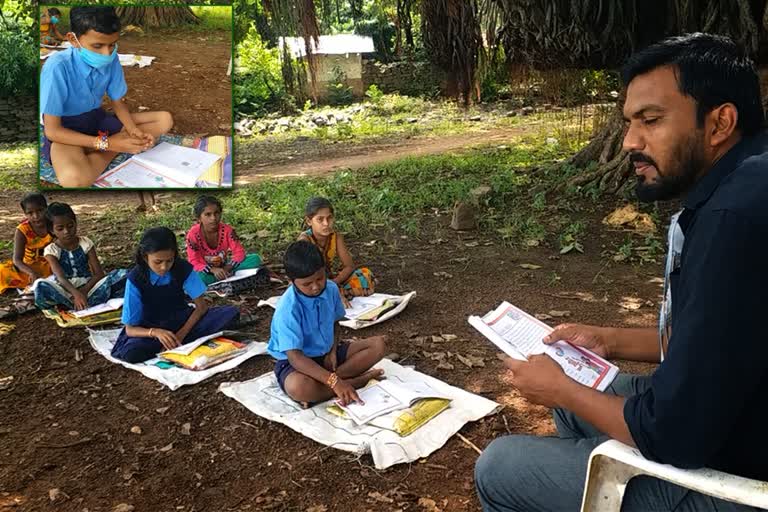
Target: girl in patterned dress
x=340, y=267
x=78, y=280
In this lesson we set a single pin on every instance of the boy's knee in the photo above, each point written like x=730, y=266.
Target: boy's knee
x=379, y=346
x=73, y=180
x=296, y=387
x=166, y=121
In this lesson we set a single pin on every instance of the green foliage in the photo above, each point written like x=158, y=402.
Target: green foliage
x=213, y=18
x=258, y=84
x=18, y=51
x=18, y=166
x=268, y=214
x=339, y=93
x=374, y=94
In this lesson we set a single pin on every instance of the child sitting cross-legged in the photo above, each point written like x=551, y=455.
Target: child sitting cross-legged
x=312, y=365
x=78, y=279
x=156, y=312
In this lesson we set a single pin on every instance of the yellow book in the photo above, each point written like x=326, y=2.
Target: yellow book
x=209, y=353
x=215, y=173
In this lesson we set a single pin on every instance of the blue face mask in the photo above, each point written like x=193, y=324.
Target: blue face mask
x=96, y=60
x=54, y=19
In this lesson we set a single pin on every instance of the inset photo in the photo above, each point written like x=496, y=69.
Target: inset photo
x=135, y=97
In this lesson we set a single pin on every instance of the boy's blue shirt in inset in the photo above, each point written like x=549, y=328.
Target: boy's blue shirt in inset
x=133, y=308
x=305, y=323
x=70, y=87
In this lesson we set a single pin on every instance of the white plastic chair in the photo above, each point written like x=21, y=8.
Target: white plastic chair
x=612, y=464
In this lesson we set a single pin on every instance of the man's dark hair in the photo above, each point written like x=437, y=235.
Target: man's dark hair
x=54, y=11
x=100, y=19
x=711, y=69
x=302, y=259
x=33, y=198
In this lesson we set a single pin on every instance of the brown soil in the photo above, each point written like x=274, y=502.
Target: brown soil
x=188, y=78
x=65, y=424
x=314, y=158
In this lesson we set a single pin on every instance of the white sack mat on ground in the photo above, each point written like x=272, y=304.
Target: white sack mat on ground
x=173, y=377
x=263, y=397
x=361, y=305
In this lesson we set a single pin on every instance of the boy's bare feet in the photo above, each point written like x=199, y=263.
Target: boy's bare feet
x=363, y=379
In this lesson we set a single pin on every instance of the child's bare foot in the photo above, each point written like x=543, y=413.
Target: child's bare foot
x=363, y=379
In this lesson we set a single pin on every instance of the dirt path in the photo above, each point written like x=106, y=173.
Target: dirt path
x=366, y=156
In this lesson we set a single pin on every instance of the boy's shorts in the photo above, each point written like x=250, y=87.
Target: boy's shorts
x=89, y=123
x=283, y=368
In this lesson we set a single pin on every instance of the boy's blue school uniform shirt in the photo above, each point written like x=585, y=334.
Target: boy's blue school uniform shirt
x=305, y=323
x=69, y=86
x=133, y=308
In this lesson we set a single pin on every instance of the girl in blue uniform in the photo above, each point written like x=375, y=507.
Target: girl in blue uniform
x=156, y=312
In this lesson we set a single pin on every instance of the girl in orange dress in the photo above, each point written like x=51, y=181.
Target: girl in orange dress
x=29, y=240
x=352, y=281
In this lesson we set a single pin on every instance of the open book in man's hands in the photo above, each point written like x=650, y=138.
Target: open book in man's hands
x=387, y=396
x=520, y=335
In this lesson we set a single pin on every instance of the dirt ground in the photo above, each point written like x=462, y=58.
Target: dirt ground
x=188, y=78
x=65, y=423
x=313, y=158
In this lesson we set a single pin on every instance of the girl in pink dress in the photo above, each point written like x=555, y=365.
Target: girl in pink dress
x=213, y=248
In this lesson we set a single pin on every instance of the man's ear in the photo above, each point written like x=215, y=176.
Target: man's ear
x=721, y=123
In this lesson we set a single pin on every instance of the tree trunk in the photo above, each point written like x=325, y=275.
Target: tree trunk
x=604, y=163
x=156, y=16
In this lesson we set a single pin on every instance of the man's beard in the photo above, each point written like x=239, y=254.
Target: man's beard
x=687, y=164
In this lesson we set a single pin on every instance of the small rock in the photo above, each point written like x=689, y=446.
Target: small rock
x=135, y=429
x=560, y=314
x=185, y=429
x=162, y=410
x=463, y=216
x=56, y=494
x=476, y=118
x=526, y=111
x=511, y=113
x=123, y=507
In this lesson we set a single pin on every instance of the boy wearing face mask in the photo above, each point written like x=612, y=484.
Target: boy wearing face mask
x=49, y=33
x=80, y=137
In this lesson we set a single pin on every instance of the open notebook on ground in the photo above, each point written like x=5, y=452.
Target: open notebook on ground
x=218, y=175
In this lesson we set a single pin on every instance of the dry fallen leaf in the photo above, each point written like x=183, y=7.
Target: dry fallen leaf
x=162, y=410
x=631, y=303
x=429, y=505
x=443, y=274
x=449, y=337
x=380, y=497
x=135, y=429
x=560, y=314
x=530, y=266
x=167, y=448
x=471, y=361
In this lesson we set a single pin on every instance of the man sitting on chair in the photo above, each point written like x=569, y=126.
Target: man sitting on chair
x=694, y=122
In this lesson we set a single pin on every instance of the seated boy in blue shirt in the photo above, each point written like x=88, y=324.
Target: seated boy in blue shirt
x=80, y=137
x=312, y=365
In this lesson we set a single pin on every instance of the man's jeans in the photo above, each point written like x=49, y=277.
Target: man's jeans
x=542, y=474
